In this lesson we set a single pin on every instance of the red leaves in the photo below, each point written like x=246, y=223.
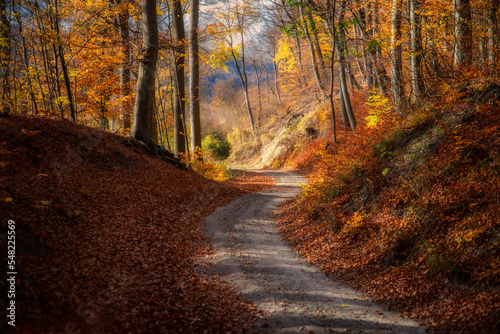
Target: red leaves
x=423, y=237
x=108, y=236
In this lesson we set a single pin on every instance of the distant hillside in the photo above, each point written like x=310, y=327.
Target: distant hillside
x=219, y=74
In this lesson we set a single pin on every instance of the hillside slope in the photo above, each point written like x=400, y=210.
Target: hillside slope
x=409, y=210
x=106, y=234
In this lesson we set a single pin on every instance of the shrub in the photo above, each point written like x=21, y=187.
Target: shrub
x=217, y=146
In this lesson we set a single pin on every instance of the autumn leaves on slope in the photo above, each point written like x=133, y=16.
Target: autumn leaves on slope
x=408, y=210
x=106, y=235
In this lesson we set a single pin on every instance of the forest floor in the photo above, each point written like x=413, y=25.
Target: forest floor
x=107, y=235
x=296, y=297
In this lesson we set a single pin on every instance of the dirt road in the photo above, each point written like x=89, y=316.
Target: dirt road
x=297, y=296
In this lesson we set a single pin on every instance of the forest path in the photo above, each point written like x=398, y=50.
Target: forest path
x=296, y=296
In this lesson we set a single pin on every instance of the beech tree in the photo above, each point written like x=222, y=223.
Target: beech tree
x=463, y=33
x=396, y=59
x=143, y=124
x=179, y=90
x=5, y=50
x=194, y=78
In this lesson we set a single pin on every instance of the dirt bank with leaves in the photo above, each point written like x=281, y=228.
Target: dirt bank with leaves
x=409, y=210
x=107, y=234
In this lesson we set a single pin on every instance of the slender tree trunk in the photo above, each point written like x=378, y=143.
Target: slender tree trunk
x=342, y=44
x=332, y=73
x=341, y=51
x=379, y=68
x=361, y=69
x=179, y=90
x=56, y=80
x=64, y=66
x=463, y=34
x=299, y=54
x=276, y=85
x=194, y=79
x=317, y=47
x=143, y=122
x=493, y=38
x=244, y=81
x=416, y=49
x=396, y=61
x=258, y=74
x=122, y=18
x=5, y=53
x=366, y=60
x=26, y=63
x=314, y=62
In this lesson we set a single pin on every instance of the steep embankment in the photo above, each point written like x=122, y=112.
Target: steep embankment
x=106, y=234
x=409, y=211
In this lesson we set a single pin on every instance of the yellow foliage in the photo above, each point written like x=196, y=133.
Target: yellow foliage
x=223, y=54
x=379, y=106
x=285, y=57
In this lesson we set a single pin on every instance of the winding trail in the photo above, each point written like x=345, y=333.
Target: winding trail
x=296, y=296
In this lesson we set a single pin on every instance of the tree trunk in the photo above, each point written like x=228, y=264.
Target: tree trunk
x=345, y=95
x=276, y=86
x=299, y=54
x=26, y=62
x=332, y=72
x=64, y=66
x=493, y=37
x=244, y=80
x=317, y=47
x=123, y=27
x=143, y=122
x=463, y=34
x=341, y=51
x=194, y=79
x=379, y=69
x=5, y=51
x=314, y=62
x=258, y=74
x=366, y=60
x=396, y=62
x=179, y=90
x=416, y=49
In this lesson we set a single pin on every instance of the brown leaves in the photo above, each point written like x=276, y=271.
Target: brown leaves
x=108, y=236
x=423, y=238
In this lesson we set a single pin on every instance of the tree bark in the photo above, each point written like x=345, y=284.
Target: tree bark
x=463, y=33
x=194, y=80
x=332, y=73
x=244, y=80
x=493, y=37
x=416, y=49
x=396, y=61
x=341, y=51
x=366, y=60
x=179, y=90
x=276, y=86
x=5, y=52
x=143, y=122
x=64, y=66
x=122, y=18
x=314, y=62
